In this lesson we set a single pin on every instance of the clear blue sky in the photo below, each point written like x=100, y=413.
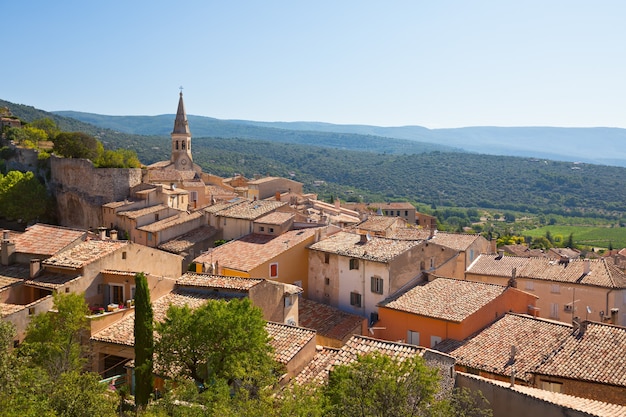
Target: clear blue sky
x=389, y=63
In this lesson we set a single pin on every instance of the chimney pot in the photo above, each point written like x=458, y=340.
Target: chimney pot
x=35, y=267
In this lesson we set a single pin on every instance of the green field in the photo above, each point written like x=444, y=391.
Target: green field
x=598, y=237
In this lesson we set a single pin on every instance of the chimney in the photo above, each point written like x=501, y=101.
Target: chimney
x=113, y=234
x=493, y=245
x=587, y=269
x=337, y=203
x=103, y=232
x=35, y=267
x=576, y=324
x=432, y=234
x=614, y=316
x=500, y=254
x=277, y=196
x=7, y=252
x=583, y=327
x=364, y=238
x=513, y=280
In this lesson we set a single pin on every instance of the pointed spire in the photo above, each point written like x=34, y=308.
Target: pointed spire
x=180, y=124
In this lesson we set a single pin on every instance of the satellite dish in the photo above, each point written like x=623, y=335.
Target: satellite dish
x=588, y=310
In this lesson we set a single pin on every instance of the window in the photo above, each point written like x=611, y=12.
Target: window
x=406, y=212
x=377, y=285
x=288, y=300
x=551, y=386
x=193, y=195
x=262, y=228
x=326, y=281
x=149, y=237
x=432, y=263
x=116, y=293
x=354, y=264
x=355, y=299
x=271, y=230
x=326, y=258
x=555, y=289
x=273, y=270
x=31, y=311
x=530, y=285
x=224, y=221
x=176, y=145
x=123, y=255
x=398, y=213
x=434, y=340
x=554, y=310
x=182, y=144
x=412, y=338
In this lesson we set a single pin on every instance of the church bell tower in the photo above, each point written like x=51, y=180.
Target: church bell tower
x=181, y=140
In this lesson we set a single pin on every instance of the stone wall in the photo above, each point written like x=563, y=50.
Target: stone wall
x=80, y=190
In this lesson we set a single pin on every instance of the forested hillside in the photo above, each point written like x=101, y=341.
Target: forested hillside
x=434, y=178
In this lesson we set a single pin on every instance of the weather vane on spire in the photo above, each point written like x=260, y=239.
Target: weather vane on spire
x=181, y=89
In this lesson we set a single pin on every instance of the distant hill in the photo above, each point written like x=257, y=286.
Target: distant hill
x=209, y=127
x=604, y=146
x=436, y=178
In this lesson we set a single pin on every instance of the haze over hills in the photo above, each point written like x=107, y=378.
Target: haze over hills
x=598, y=145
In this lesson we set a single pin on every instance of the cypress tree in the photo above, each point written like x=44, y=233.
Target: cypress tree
x=144, y=341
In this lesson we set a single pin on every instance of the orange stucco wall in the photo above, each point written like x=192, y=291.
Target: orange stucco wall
x=395, y=324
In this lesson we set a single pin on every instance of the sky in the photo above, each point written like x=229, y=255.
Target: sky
x=437, y=64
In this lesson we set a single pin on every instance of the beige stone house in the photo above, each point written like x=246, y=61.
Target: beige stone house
x=283, y=258
x=355, y=272
x=593, y=289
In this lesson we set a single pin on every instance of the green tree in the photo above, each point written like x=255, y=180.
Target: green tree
x=77, y=394
x=220, y=341
x=54, y=340
x=47, y=125
x=379, y=385
x=78, y=145
x=144, y=341
x=22, y=196
x=540, y=242
x=569, y=243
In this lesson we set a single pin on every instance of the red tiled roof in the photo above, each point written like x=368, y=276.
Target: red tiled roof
x=186, y=241
x=446, y=299
x=326, y=320
x=180, y=218
x=377, y=223
x=377, y=249
x=46, y=240
x=134, y=214
x=252, y=250
x=456, y=241
x=192, y=279
x=597, y=354
x=85, y=253
x=601, y=273
x=490, y=349
x=287, y=340
x=276, y=218
x=250, y=210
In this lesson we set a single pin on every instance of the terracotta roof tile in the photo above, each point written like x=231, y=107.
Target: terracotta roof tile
x=85, y=253
x=134, y=214
x=326, y=320
x=191, y=279
x=180, y=218
x=288, y=340
x=597, y=354
x=252, y=250
x=52, y=281
x=316, y=371
x=446, y=299
x=410, y=233
x=250, y=210
x=184, y=242
x=456, y=241
x=12, y=274
x=601, y=273
x=377, y=223
x=276, y=218
x=377, y=249
x=46, y=240
x=490, y=349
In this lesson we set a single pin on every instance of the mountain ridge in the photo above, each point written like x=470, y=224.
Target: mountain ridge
x=597, y=145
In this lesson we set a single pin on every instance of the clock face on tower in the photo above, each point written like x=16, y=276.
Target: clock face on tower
x=183, y=161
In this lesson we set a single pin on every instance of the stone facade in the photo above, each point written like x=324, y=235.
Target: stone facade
x=81, y=189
